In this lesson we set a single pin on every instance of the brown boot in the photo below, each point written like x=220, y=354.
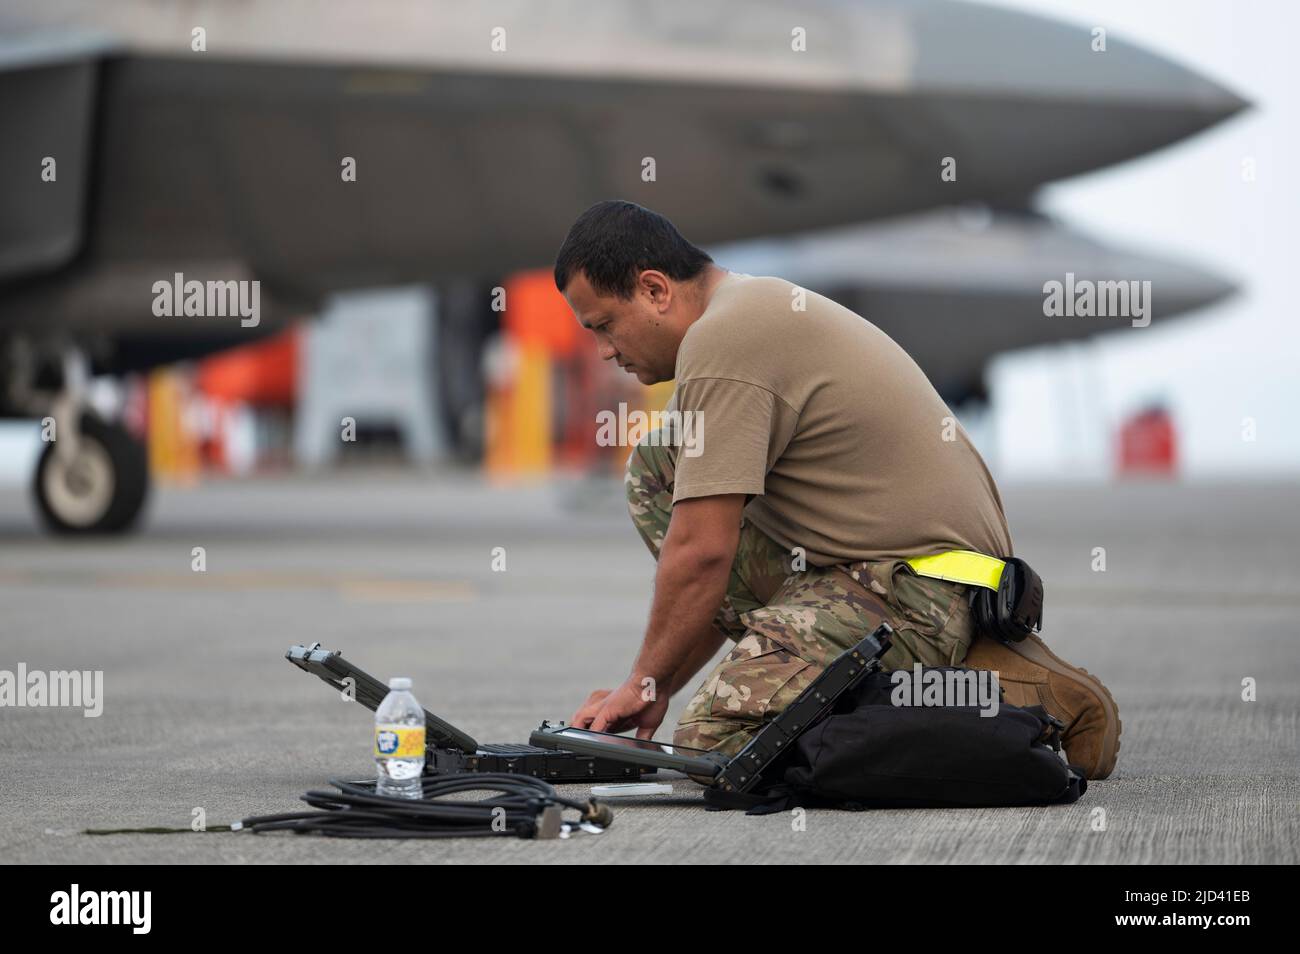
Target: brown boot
x=1031, y=674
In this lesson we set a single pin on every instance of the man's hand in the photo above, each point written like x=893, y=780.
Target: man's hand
x=595, y=702
x=631, y=705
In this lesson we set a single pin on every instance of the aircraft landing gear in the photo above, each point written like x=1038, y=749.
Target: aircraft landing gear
x=96, y=485
x=93, y=475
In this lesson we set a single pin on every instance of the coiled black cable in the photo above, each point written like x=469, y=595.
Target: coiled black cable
x=524, y=807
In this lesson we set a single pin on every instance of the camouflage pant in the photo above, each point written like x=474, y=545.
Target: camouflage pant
x=788, y=625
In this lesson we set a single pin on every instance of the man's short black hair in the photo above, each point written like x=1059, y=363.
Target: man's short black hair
x=614, y=241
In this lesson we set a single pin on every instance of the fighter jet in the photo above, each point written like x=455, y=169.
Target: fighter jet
x=955, y=286
x=314, y=147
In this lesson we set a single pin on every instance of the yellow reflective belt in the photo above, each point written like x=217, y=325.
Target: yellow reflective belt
x=961, y=566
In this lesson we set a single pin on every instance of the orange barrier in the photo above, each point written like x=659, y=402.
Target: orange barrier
x=263, y=372
x=173, y=445
x=546, y=385
x=518, y=439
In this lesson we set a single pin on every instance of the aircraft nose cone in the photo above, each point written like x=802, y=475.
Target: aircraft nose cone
x=1186, y=288
x=1050, y=98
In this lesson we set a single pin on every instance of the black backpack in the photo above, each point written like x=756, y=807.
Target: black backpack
x=869, y=753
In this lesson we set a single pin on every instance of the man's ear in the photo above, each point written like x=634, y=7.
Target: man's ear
x=657, y=288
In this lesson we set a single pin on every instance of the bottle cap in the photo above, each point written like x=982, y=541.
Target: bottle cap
x=399, y=683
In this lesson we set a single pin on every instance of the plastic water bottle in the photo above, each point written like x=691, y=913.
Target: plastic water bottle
x=399, y=742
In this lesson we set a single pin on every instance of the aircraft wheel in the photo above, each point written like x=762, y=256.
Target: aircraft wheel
x=101, y=489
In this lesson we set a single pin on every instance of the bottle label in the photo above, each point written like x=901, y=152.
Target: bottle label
x=399, y=741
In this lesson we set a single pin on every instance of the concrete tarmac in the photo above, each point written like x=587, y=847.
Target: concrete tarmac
x=201, y=712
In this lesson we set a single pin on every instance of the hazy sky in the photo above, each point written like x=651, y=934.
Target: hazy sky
x=1238, y=360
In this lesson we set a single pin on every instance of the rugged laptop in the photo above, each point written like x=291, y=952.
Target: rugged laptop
x=450, y=751
x=739, y=773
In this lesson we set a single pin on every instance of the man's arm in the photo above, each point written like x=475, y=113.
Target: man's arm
x=694, y=567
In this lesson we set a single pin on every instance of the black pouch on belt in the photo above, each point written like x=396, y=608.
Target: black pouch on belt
x=1015, y=609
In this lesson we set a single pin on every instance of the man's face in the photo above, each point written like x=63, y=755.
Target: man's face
x=639, y=333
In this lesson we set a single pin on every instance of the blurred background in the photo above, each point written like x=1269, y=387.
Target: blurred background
x=931, y=165
x=1226, y=376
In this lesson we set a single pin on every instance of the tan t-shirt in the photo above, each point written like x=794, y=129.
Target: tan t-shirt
x=833, y=428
